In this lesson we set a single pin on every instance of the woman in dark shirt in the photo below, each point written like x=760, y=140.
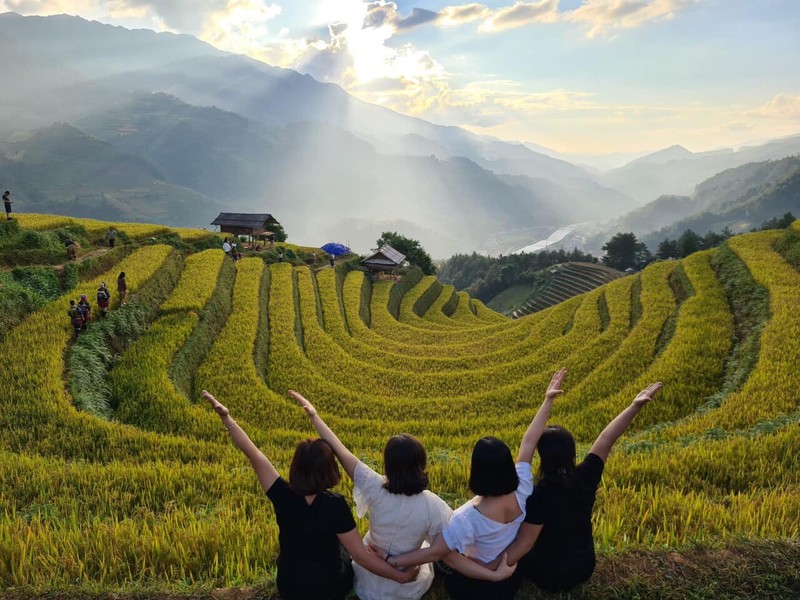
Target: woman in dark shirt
x=312, y=521
x=554, y=544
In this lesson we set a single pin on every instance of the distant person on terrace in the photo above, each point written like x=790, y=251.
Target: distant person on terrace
x=7, y=202
x=402, y=512
x=555, y=545
x=313, y=522
x=482, y=528
x=122, y=288
x=111, y=234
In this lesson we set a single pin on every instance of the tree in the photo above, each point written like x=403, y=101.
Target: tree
x=280, y=233
x=667, y=249
x=689, y=243
x=415, y=253
x=624, y=251
x=778, y=223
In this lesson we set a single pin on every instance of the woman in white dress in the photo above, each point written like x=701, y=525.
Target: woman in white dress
x=403, y=513
x=482, y=528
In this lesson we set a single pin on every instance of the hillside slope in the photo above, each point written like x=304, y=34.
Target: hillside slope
x=139, y=474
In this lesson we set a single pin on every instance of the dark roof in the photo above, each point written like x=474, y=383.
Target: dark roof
x=246, y=220
x=386, y=256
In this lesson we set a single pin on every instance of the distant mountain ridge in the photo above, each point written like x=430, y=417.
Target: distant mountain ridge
x=675, y=170
x=174, y=123
x=739, y=198
x=238, y=132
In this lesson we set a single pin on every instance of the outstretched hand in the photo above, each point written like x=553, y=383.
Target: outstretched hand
x=304, y=404
x=647, y=394
x=215, y=404
x=554, y=389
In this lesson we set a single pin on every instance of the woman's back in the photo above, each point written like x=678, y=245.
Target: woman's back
x=478, y=535
x=398, y=524
x=563, y=555
x=307, y=535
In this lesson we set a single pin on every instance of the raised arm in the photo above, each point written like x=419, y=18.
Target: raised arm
x=536, y=428
x=371, y=561
x=347, y=458
x=266, y=473
x=608, y=437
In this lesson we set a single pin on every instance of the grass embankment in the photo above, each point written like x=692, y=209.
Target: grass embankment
x=745, y=570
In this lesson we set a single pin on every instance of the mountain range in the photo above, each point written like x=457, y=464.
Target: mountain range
x=137, y=125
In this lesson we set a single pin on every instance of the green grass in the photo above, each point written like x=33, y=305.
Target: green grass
x=510, y=298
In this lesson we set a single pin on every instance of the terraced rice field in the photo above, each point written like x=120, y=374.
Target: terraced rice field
x=150, y=493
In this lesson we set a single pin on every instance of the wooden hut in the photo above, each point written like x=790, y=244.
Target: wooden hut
x=386, y=260
x=252, y=225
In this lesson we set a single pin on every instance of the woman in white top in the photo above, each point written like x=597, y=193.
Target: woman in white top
x=402, y=512
x=483, y=527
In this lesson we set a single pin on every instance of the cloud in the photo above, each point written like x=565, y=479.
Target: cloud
x=418, y=16
x=520, y=14
x=601, y=17
x=241, y=26
x=782, y=106
x=466, y=13
x=379, y=14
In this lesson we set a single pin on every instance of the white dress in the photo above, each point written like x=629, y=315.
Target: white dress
x=479, y=537
x=397, y=524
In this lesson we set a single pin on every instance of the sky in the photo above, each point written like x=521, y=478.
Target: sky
x=576, y=76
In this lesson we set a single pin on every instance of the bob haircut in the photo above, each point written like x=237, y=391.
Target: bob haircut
x=557, y=455
x=313, y=468
x=492, y=472
x=404, y=462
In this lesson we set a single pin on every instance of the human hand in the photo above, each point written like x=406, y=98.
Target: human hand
x=407, y=575
x=647, y=394
x=304, y=404
x=504, y=570
x=215, y=404
x=554, y=389
x=380, y=553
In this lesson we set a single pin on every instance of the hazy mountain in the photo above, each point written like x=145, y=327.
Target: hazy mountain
x=739, y=198
x=300, y=173
x=675, y=152
x=63, y=170
x=742, y=214
x=73, y=67
x=676, y=171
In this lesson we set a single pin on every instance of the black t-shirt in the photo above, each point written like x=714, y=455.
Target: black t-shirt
x=309, y=548
x=565, y=547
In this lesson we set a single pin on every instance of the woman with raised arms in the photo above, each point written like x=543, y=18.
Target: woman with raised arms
x=403, y=513
x=555, y=545
x=312, y=520
x=482, y=528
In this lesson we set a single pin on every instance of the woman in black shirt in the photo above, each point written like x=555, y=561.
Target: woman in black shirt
x=312, y=521
x=554, y=544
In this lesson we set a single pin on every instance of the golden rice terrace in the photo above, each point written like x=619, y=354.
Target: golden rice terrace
x=127, y=480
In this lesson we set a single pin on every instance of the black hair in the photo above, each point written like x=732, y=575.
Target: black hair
x=404, y=462
x=557, y=457
x=314, y=468
x=492, y=472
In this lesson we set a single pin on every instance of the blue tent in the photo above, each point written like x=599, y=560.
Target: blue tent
x=336, y=249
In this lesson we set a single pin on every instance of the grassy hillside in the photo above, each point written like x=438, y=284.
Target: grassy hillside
x=141, y=491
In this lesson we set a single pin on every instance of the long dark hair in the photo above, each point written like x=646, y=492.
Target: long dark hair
x=404, y=462
x=557, y=458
